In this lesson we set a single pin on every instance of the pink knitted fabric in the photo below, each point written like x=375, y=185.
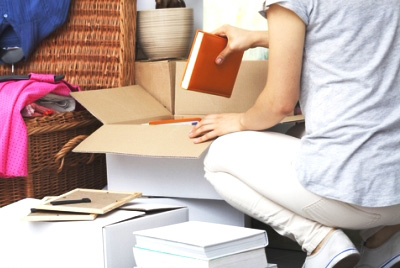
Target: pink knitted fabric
x=14, y=96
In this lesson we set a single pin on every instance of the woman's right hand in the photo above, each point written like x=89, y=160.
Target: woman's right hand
x=239, y=40
x=215, y=125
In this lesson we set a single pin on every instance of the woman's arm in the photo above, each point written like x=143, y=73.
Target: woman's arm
x=282, y=90
x=281, y=93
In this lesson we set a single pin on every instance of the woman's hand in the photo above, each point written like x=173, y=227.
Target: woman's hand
x=240, y=40
x=215, y=125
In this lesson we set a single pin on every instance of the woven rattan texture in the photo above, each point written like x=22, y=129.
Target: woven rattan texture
x=94, y=49
x=12, y=190
x=53, y=169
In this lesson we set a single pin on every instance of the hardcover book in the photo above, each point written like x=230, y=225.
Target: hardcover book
x=201, y=240
x=202, y=74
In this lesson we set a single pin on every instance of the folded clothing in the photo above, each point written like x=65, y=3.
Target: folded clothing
x=14, y=96
x=57, y=103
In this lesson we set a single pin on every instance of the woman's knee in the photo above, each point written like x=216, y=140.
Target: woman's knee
x=246, y=147
x=218, y=153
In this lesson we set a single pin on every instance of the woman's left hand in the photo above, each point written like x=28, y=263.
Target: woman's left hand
x=215, y=125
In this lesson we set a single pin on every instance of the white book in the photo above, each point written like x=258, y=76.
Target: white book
x=145, y=258
x=201, y=240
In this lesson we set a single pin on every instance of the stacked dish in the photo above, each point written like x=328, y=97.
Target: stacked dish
x=165, y=33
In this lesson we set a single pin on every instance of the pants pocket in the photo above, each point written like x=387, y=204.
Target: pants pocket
x=334, y=213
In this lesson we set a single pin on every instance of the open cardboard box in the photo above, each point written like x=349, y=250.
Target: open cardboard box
x=123, y=111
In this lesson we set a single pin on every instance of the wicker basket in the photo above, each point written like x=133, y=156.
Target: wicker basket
x=94, y=49
x=52, y=168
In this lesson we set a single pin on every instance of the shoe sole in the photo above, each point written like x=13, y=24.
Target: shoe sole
x=349, y=261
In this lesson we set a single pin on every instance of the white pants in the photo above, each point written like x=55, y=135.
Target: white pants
x=253, y=171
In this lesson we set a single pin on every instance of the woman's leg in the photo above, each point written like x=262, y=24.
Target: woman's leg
x=254, y=172
x=306, y=232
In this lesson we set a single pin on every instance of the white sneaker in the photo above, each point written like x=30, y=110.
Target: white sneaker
x=385, y=256
x=337, y=252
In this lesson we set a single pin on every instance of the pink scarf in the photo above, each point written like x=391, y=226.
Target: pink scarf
x=14, y=96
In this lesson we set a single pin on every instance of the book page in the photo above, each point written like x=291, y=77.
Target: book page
x=192, y=60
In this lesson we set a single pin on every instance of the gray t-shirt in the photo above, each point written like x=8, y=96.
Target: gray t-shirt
x=350, y=97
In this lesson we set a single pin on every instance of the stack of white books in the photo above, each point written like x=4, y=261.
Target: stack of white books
x=199, y=245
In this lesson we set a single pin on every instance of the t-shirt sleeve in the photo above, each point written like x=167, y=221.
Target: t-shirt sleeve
x=297, y=7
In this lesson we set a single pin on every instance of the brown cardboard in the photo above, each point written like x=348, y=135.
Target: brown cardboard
x=158, y=78
x=127, y=135
x=157, y=141
x=131, y=104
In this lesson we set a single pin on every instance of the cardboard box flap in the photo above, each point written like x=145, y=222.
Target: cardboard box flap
x=160, y=86
x=154, y=141
x=293, y=119
x=121, y=105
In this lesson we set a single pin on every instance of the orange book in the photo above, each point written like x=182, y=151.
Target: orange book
x=202, y=74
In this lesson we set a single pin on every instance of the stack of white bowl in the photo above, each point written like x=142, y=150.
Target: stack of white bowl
x=165, y=33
